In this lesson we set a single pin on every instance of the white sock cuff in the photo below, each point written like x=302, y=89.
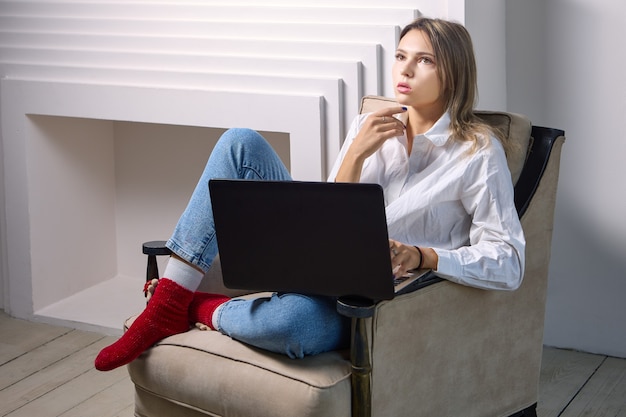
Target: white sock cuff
x=183, y=274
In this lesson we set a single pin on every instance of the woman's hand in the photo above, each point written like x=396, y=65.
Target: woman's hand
x=376, y=129
x=405, y=258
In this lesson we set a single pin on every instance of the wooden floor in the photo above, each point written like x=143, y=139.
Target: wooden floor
x=48, y=371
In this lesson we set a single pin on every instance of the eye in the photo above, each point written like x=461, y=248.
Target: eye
x=426, y=60
x=400, y=57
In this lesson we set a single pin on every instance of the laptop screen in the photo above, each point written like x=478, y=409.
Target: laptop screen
x=307, y=237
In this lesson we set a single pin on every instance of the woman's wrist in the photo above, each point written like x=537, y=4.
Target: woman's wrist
x=428, y=258
x=350, y=169
x=420, y=265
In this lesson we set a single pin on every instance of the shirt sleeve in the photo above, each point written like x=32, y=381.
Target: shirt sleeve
x=352, y=132
x=495, y=257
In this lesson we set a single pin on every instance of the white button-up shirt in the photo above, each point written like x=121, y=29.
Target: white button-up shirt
x=447, y=198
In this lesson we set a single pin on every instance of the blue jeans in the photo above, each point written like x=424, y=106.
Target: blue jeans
x=292, y=324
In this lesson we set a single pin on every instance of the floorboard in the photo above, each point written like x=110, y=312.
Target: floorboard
x=563, y=374
x=45, y=355
x=117, y=400
x=605, y=393
x=28, y=392
x=47, y=371
x=21, y=336
x=79, y=393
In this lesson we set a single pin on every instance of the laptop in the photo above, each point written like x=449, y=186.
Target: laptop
x=306, y=237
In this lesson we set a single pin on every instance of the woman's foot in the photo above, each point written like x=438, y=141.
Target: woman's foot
x=149, y=287
x=202, y=308
x=165, y=315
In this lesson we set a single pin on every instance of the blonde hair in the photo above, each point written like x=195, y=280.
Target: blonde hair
x=456, y=66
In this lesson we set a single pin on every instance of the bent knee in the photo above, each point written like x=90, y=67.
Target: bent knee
x=313, y=325
x=240, y=136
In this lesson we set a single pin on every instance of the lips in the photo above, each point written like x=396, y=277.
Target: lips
x=403, y=88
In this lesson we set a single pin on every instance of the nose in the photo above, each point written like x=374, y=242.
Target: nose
x=406, y=69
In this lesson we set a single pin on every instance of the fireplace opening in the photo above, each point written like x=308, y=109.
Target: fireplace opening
x=97, y=189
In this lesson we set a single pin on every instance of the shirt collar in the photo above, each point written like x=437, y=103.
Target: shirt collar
x=439, y=133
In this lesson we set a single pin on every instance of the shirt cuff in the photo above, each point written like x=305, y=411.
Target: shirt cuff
x=447, y=266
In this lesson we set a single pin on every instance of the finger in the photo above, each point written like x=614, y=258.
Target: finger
x=392, y=123
x=391, y=118
x=393, y=249
x=402, y=264
x=399, y=270
x=389, y=111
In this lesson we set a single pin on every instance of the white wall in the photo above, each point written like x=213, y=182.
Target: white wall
x=285, y=67
x=490, y=50
x=564, y=60
x=565, y=70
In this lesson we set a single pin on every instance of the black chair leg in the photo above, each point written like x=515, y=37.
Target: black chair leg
x=527, y=412
x=359, y=310
x=153, y=249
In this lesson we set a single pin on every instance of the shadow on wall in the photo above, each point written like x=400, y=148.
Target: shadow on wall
x=583, y=291
x=548, y=80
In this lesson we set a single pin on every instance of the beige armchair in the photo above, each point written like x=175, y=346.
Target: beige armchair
x=443, y=350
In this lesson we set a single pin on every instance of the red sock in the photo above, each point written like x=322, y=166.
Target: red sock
x=165, y=315
x=203, y=306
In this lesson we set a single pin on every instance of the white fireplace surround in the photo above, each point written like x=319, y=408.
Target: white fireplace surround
x=67, y=228
x=109, y=110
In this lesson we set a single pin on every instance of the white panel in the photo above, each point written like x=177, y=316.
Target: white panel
x=71, y=204
x=368, y=54
x=330, y=89
x=385, y=35
x=251, y=12
x=434, y=7
x=301, y=114
x=348, y=72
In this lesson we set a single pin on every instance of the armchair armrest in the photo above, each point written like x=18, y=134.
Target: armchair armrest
x=360, y=310
x=456, y=338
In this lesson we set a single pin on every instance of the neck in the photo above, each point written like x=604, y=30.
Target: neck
x=420, y=121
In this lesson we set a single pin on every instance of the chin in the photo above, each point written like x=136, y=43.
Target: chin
x=400, y=97
x=403, y=100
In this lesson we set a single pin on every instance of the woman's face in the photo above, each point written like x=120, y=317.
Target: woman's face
x=415, y=77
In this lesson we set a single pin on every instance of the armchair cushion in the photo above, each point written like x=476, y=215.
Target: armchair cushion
x=201, y=373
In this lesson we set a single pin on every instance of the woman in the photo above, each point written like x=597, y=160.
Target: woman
x=449, y=205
